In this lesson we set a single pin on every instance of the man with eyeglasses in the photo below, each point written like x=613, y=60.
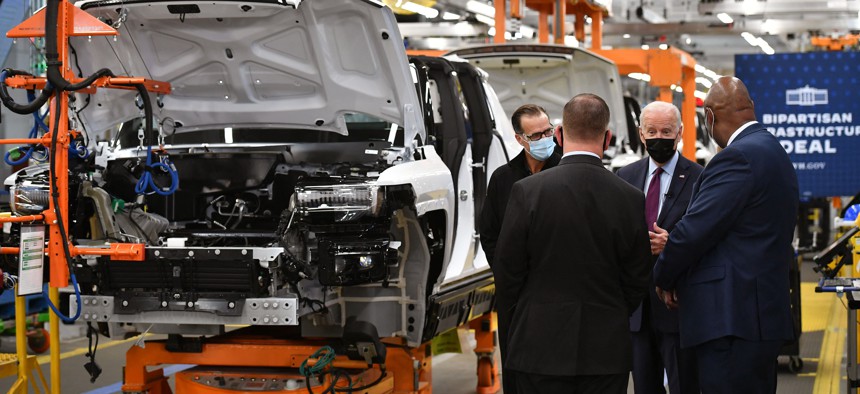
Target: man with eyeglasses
x=540, y=152
x=726, y=264
x=667, y=180
x=571, y=265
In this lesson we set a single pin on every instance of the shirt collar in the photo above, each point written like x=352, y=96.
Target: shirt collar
x=739, y=130
x=580, y=152
x=668, y=168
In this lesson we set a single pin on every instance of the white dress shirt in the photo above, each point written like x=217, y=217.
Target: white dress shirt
x=580, y=152
x=739, y=130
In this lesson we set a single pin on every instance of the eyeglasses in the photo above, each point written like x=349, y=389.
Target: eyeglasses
x=539, y=135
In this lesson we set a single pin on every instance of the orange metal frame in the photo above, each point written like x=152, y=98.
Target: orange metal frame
x=71, y=21
x=666, y=67
x=409, y=370
x=835, y=44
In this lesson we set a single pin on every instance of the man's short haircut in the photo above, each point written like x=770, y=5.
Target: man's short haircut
x=660, y=105
x=525, y=110
x=586, y=118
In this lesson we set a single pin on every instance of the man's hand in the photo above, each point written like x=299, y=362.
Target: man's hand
x=658, y=239
x=669, y=297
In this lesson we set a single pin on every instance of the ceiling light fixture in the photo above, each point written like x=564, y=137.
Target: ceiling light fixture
x=626, y=35
x=480, y=8
x=420, y=9
x=527, y=31
x=450, y=16
x=640, y=76
x=765, y=47
x=485, y=19
x=704, y=82
x=725, y=18
x=751, y=39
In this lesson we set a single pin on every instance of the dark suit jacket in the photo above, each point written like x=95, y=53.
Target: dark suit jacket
x=675, y=204
x=572, y=263
x=498, y=193
x=729, y=255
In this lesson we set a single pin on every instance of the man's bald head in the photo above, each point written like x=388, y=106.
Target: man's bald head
x=585, y=119
x=731, y=107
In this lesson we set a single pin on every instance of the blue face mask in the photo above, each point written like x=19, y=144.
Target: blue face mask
x=542, y=149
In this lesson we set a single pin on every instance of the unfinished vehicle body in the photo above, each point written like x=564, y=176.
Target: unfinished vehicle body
x=549, y=75
x=306, y=172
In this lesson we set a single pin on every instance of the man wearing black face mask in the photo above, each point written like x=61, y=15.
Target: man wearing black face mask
x=667, y=180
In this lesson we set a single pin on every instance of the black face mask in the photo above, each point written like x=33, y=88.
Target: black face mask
x=660, y=149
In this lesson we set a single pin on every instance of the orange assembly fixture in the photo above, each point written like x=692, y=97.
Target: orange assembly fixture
x=667, y=67
x=71, y=21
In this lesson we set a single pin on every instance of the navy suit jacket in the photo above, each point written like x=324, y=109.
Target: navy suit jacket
x=729, y=256
x=675, y=204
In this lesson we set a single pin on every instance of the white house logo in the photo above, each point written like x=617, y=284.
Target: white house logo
x=806, y=96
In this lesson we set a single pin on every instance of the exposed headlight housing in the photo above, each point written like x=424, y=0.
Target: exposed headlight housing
x=346, y=198
x=356, y=261
x=28, y=198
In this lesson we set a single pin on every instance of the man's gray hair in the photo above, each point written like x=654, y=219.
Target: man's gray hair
x=660, y=106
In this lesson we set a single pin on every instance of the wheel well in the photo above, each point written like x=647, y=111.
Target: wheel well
x=433, y=225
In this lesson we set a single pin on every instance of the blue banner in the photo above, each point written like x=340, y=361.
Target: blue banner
x=811, y=103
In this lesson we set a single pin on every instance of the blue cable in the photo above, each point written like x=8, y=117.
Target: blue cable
x=75, y=149
x=34, y=133
x=59, y=314
x=146, y=184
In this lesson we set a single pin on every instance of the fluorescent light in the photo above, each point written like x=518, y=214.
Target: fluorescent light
x=228, y=135
x=751, y=39
x=663, y=46
x=765, y=47
x=571, y=41
x=527, y=31
x=491, y=31
x=450, y=16
x=700, y=94
x=688, y=41
x=704, y=82
x=679, y=89
x=725, y=18
x=420, y=9
x=485, y=19
x=604, y=3
x=626, y=35
x=645, y=47
x=712, y=75
x=640, y=76
x=700, y=68
x=480, y=8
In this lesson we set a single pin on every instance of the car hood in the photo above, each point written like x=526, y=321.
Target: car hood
x=245, y=64
x=549, y=76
